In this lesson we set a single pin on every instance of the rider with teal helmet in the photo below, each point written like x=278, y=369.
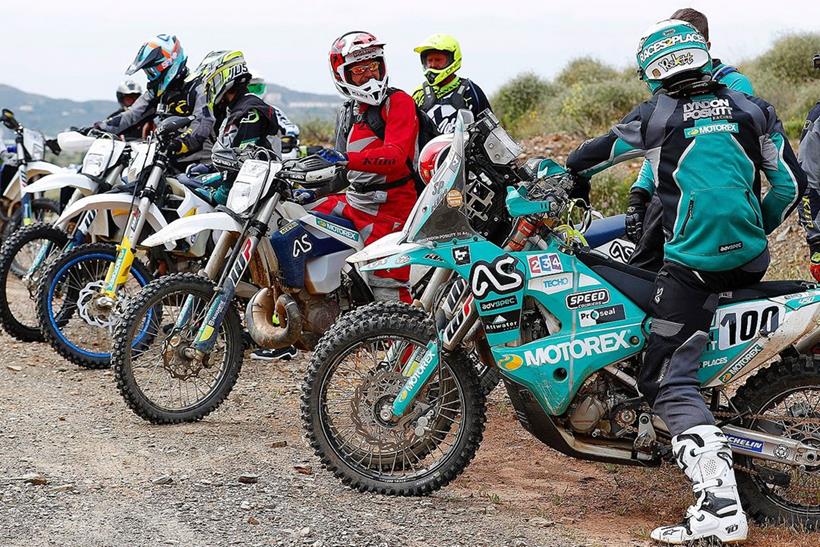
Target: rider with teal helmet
x=706, y=145
x=171, y=91
x=643, y=219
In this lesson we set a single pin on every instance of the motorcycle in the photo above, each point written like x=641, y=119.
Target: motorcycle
x=391, y=403
x=81, y=294
x=24, y=255
x=18, y=208
x=184, y=330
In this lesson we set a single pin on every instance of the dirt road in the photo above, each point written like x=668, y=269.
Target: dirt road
x=112, y=479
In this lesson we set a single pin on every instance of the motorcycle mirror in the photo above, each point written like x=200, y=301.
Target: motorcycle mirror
x=8, y=119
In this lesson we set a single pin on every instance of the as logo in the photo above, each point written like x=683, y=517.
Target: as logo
x=301, y=246
x=511, y=362
x=486, y=277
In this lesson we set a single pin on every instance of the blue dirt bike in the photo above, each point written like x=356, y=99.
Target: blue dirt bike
x=392, y=403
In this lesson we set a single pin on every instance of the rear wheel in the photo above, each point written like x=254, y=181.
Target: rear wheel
x=17, y=293
x=74, y=319
x=783, y=399
x=355, y=371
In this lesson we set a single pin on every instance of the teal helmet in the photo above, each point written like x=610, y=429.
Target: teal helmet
x=670, y=49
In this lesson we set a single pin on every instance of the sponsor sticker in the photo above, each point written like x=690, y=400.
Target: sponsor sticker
x=598, y=316
x=716, y=109
x=499, y=276
x=500, y=303
x=551, y=284
x=587, y=299
x=461, y=255
x=714, y=362
x=544, y=264
x=501, y=322
x=744, y=360
x=454, y=199
x=511, y=362
x=336, y=229
x=731, y=247
x=746, y=444
x=577, y=349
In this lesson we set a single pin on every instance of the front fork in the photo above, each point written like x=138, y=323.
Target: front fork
x=418, y=369
x=118, y=271
x=76, y=238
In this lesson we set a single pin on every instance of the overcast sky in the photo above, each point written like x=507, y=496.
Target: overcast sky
x=80, y=49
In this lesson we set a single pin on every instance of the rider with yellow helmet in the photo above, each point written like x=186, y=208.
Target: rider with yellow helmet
x=443, y=93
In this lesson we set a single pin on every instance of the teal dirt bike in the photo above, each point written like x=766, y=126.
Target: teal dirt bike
x=392, y=403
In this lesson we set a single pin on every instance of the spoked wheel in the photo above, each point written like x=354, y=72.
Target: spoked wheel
x=42, y=210
x=74, y=316
x=31, y=248
x=783, y=399
x=163, y=379
x=356, y=373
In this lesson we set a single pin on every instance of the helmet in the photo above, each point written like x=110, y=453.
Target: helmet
x=432, y=156
x=126, y=88
x=351, y=48
x=228, y=70
x=440, y=42
x=257, y=84
x=670, y=48
x=162, y=59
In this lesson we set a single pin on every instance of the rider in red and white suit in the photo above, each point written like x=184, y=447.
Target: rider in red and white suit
x=379, y=170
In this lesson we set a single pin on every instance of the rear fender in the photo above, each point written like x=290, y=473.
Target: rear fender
x=33, y=169
x=187, y=226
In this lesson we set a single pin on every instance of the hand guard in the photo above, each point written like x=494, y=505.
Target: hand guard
x=814, y=266
x=331, y=156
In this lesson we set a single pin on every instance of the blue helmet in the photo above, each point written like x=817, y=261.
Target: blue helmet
x=162, y=59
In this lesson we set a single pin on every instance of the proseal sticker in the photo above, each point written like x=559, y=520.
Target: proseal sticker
x=587, y=299
x=544, y=264
x=598, y=316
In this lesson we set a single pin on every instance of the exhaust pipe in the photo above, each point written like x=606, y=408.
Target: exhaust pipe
x=259, y=319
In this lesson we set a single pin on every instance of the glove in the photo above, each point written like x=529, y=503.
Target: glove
x=302, y=196
x=331, y=156
x=54, y=146
x=176, y=147
x=635, y=213
x=814, y=267
x=196, y=169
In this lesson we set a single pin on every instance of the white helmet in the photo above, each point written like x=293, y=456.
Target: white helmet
x=128, y=87
x=351, y=48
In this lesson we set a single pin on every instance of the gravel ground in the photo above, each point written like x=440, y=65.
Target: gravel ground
x=111, y=479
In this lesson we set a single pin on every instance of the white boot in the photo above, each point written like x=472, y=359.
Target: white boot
x=704, y=455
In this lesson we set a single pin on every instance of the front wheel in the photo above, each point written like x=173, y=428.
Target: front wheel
x=31, y=248
x=783, y=399
x=162, y=378
x=355, y=371
x=42, y=210
x=75, y=320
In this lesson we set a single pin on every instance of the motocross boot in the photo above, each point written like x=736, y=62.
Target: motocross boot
x=703, y=454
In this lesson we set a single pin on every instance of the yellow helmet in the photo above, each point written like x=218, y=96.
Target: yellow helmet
x=440, y=42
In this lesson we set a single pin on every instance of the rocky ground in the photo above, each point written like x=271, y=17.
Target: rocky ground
x=78, y=468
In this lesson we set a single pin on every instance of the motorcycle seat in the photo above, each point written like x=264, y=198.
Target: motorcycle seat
x=604, y=230
x=639, y=285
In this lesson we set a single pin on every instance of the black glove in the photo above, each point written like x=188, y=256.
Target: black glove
x=635, y=213
x=54, y=146
x=175, y=146
x=580, y=187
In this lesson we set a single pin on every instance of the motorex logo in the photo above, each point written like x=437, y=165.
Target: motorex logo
x=336, y=229
x=577, y=349
x=710, y=129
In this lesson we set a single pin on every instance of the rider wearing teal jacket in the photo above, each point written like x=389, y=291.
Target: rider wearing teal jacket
x=706, y=145
x=644, y=221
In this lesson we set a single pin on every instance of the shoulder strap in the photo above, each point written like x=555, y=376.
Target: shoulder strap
x=457, y=99
x=374, y=118
x=429, y=97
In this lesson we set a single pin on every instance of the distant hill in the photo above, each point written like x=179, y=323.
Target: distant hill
x=51, y=115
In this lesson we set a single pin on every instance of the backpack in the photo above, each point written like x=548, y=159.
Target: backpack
x=456, y=99
x=718, y=75
x=375, y=122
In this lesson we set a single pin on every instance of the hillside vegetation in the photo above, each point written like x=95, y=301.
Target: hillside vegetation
x=588, y=96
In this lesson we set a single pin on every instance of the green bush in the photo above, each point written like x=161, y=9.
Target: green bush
x=589, y=109
x=585, y=71
x=610, y=189
x=317, y=131
x=519, y=97
x=789, y=59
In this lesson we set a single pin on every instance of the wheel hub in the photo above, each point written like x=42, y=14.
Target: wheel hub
x=95, y=308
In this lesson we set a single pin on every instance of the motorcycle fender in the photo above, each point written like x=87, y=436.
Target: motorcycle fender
x=62, y=180
x=190, y=225
x=34, y=169
x=405, y=254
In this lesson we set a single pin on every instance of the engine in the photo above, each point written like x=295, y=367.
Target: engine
x=604, y=407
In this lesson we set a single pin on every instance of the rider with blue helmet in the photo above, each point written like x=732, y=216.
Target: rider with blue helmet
x=171, y=91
